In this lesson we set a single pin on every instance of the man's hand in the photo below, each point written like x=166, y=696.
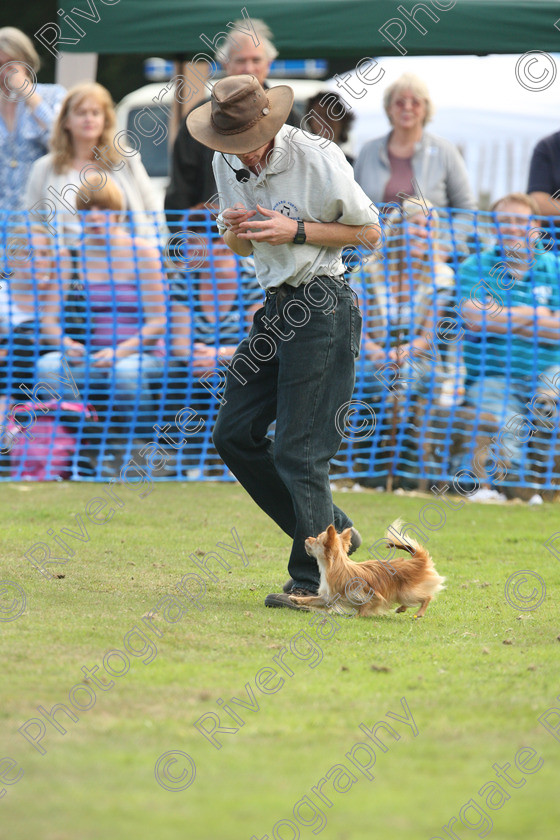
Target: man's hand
x=278, y=230
x=234, y=216
x=17, y=82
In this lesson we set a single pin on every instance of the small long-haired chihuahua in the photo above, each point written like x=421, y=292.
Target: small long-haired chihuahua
x=372, y=586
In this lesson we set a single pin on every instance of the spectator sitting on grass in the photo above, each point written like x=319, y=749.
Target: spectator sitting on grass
x=407, y=291
x=512, y=322
x=28, y=281
x=212, y=309
x=123, y=296
x=404, y=297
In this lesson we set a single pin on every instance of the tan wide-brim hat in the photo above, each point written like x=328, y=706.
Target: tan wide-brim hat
x=241, y=116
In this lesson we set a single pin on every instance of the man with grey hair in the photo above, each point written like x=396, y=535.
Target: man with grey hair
x=192, y=181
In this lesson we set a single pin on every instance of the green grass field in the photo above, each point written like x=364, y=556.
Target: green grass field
x=476, y=674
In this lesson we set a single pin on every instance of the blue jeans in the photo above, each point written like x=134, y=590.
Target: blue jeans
x=301, y=382
x=122, y=389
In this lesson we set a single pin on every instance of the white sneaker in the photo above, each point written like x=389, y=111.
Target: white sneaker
x=486, y=494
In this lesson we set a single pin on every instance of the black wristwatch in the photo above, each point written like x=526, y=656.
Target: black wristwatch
x=300, y=236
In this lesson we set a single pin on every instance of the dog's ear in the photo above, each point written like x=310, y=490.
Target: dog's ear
x=331, y=535
x=346, y=538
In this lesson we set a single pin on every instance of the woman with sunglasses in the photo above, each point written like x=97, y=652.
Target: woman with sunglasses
x=408, y=159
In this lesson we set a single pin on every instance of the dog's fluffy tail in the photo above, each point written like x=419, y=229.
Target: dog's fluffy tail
x=420, y=559
x=396, y=538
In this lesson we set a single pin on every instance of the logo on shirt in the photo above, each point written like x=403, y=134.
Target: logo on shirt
x=543, y=294
x=286, y=208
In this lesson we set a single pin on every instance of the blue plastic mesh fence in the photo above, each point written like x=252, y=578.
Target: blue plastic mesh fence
x=115, y=340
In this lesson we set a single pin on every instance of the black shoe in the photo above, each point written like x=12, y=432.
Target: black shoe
x=355, y=543
x=280, y=599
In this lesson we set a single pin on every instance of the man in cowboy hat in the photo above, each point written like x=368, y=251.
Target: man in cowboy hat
x=247, y=48
x=289, y=199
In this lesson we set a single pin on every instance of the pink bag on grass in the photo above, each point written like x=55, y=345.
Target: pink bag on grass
x=49, y=455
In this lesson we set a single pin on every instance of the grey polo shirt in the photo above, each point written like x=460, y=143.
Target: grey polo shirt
x=305, y=178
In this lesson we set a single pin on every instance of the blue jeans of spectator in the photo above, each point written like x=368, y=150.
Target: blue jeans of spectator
x=122, y=389
x=302, y=382
x=506, y=398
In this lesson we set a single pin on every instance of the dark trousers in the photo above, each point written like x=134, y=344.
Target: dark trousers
x=300, y=376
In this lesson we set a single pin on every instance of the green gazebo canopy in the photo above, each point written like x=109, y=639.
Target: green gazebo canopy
x=344, y=31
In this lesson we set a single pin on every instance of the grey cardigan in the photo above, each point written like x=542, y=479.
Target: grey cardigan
x=437, y=165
